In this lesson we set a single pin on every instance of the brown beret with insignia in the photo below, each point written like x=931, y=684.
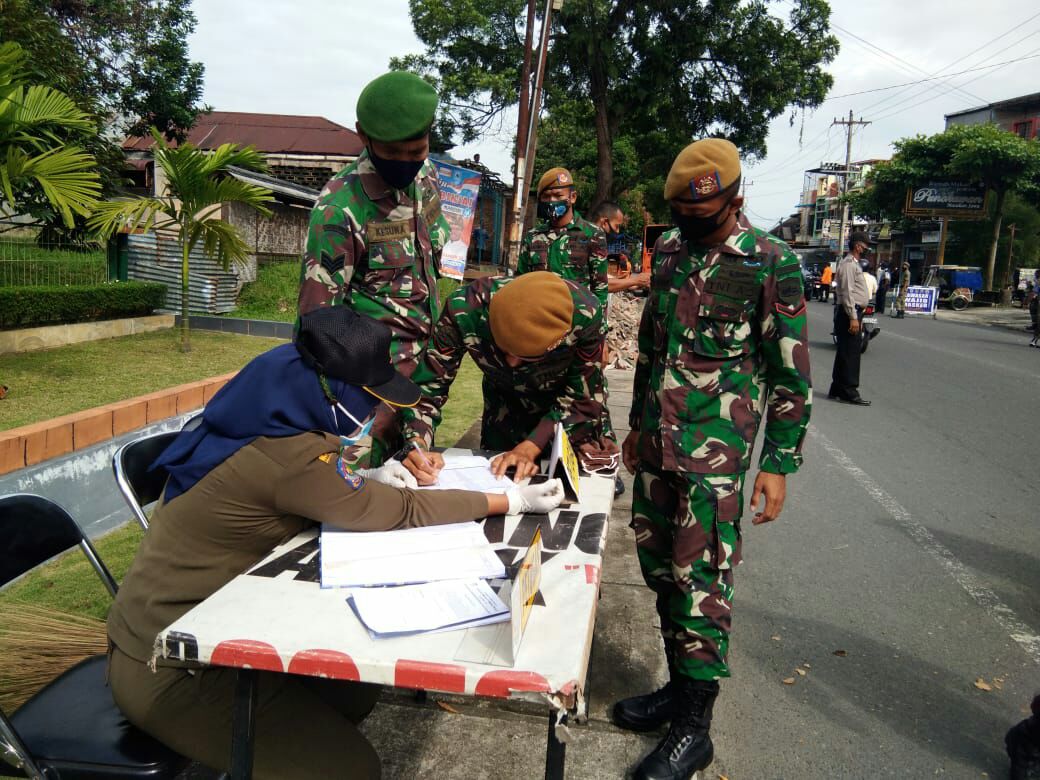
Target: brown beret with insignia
x=555, y=177
x=530, y=314
x=702, y=170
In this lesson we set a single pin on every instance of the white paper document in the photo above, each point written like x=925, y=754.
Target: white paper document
x=469, y=472
x=433, y=606
x=411, y=555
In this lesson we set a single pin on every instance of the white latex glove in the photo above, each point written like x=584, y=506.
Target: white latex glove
x=391, y=473
x=541, y=498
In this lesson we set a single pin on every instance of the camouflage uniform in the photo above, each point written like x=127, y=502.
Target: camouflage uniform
x=576, y=252
x=519, y=403
x=376, y=249
x=723, y=338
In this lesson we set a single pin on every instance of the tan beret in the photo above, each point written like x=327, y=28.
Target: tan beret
x=531, y=313
x=702, y=170
x=555, y=177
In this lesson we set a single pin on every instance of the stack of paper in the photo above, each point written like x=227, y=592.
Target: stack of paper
x=433, y=606
x=412, y=555
x=469, y=472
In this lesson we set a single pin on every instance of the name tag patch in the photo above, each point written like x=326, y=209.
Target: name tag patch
x=398, y=230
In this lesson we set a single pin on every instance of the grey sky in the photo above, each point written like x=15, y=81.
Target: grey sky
x=311, y=57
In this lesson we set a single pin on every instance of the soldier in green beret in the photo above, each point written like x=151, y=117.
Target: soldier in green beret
x=723, y=347
x=377, y=231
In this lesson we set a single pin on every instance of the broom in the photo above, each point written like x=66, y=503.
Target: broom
x=38, y=644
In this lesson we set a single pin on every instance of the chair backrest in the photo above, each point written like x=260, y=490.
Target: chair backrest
x=33, y=530
x=131, y=465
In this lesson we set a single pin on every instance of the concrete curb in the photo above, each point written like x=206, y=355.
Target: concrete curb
x=267, y=328
x=29, y=445
x=50, y=336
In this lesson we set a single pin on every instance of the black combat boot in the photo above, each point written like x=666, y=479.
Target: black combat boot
x=687, y=747
x=650, y=710
x=1023, y=746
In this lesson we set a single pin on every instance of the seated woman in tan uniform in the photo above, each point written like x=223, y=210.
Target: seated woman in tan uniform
x=271, y=457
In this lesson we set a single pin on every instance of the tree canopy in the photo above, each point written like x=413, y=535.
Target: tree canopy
x=985, y=153
x=630, y=74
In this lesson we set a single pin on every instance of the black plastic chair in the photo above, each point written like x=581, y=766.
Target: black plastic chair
x=131, y=465
x=72, y=727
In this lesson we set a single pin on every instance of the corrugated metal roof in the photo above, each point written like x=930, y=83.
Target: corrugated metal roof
x=287, y=189
x=270, y=133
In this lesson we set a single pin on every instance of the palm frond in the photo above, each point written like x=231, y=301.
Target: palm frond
x=136, y=214
x=232, y=154
x=221, y=241
x=67, y=176
x=45, y=106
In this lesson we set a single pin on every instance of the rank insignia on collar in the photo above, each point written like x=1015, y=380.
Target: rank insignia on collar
x=705, y=186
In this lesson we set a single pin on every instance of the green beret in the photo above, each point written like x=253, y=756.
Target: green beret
x=396, y=106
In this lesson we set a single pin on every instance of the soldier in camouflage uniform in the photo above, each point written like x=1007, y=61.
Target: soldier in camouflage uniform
x=563, y=242
x=377, y=231
x=723, y=340
x=537, y=340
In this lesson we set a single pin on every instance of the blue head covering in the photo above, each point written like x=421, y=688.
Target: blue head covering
x=276, y=394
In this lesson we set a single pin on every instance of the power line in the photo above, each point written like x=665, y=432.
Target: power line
x=893, y=56
x=933, y=78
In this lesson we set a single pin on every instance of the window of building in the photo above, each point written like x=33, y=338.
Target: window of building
x=1025, y=128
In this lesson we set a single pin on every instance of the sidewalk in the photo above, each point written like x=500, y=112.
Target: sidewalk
x=1008, y=318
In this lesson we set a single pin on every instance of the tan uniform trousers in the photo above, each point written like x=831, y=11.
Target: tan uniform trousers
x=306, y=727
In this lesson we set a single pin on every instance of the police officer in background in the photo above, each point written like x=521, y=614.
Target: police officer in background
x=723, y=339
x=851, y=297
x=377, y=232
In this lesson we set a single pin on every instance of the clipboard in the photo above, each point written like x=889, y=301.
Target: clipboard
x=563, y=463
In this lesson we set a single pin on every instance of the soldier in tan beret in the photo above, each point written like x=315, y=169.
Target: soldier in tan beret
x=723, y=343
x=537, y=339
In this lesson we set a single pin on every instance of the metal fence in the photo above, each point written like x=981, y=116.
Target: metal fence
x=25, y=262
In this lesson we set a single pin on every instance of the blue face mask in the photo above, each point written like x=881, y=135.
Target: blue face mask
x=552, y=209
x=365, y=427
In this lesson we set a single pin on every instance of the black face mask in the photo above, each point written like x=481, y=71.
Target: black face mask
x=397, y=173
x=552, y=210
x=695, y=228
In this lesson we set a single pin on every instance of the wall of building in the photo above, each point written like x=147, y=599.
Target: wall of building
x=283, y=234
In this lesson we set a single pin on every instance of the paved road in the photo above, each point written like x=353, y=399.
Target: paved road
x=910, y=541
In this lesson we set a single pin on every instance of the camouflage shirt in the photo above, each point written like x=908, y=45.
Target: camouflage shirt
x=723, y=338
x=519, y=403
x=376, y=249
x=576, y=252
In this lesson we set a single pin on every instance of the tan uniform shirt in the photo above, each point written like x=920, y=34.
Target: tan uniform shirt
x=852, y=287
x=260, y=497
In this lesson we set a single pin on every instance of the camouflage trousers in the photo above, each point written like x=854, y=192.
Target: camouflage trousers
x=687, y=529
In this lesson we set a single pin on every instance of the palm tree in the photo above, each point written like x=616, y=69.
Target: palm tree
x=198, y=183
x=33, y=155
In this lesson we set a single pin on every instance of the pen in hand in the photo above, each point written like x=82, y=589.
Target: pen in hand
x=428, y=467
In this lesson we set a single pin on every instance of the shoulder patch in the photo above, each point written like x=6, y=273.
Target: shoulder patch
x=790, y=290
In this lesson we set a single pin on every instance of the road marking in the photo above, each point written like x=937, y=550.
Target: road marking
x=1022, y=634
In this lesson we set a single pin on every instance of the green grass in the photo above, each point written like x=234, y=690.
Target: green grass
x=53, y=382
x=69, y=584
x=22, y=262
x=272, y=296
x=464, y=406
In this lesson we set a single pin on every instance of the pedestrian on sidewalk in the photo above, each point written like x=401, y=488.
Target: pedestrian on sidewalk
x=723, y=334
x=1033, y=303
x=825, y=281
x=851, y=297
x=904, y=286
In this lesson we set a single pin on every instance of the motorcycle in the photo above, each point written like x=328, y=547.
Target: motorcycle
x=868, y=327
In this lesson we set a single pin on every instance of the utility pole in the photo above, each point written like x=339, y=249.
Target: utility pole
x=1011, y=253
x=516, y=217
x=536, y=99
x=848, y=123
x=743, y=187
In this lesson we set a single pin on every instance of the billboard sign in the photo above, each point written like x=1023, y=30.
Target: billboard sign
x=458, y=188
x=941, y=198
